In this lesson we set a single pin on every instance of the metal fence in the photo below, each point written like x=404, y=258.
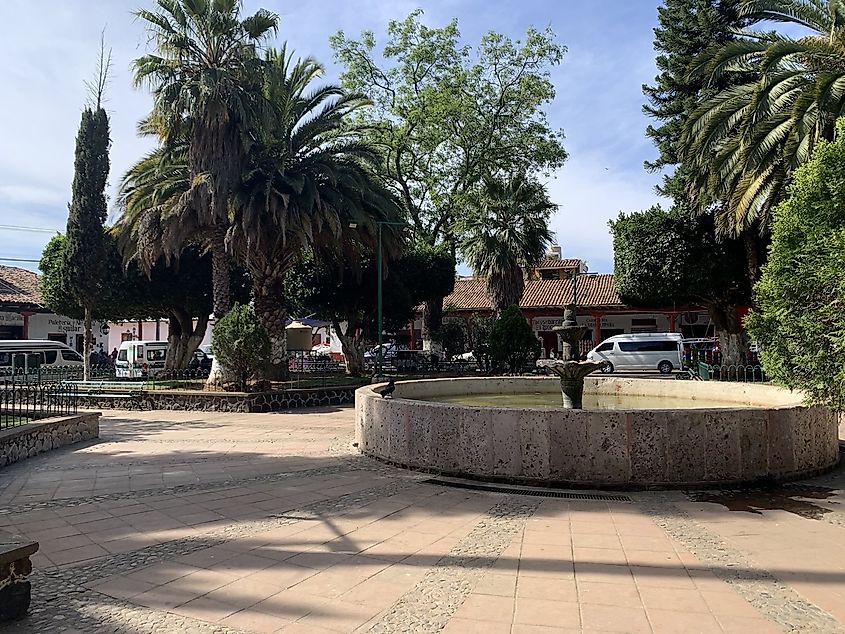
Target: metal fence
x=21, y=402
x=737, y=373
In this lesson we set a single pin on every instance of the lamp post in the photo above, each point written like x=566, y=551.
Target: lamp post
x=380, y=324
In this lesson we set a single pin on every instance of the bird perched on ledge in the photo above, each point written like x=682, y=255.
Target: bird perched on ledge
x=389, y=390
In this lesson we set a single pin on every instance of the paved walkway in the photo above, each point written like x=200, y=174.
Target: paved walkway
x=189, y=522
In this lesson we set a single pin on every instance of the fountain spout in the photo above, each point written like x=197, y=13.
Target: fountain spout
x=571, y=375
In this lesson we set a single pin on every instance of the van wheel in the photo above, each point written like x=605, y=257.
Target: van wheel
x=665, y=367
x=607, y=369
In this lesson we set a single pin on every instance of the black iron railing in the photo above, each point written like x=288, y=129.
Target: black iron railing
x=21, y=403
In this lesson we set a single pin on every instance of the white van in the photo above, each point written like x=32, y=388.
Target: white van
x=140, y=359
x=642, y=351
x=27, y=356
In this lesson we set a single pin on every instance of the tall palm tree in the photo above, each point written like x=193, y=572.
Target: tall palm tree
x=312, y=176
x=745, y=141
x=507, y=229
x=205, y=80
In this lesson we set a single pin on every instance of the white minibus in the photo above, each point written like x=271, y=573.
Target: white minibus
x=27, y=356
x=140, y=359
x=641, y=351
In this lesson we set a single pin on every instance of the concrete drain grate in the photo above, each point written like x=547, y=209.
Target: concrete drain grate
x=542, y=493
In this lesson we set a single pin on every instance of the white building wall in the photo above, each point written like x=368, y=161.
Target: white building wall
x=57, y=328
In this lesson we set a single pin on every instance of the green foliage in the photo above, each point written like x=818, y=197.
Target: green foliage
x=800, y=323
x=453, y=337
x=506, y=229
x=84, y=262
x=668, y=259
x=686, y=29
x=128, y=293
x=428, y=271
x=513, y=344
x=241, y=343
x=448, y=112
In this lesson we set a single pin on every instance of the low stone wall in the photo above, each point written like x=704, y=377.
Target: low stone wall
x=764, y=434
x=192, y=400
x=25, y=441
x=15, y=566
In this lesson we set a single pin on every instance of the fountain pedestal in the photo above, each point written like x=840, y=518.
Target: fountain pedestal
x=571, y=375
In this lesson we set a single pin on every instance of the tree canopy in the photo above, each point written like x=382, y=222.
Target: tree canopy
x=447, y=113
x=799, y=322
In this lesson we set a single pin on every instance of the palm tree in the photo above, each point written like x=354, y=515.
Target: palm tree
x=745, y=141
x=312, y=175
x=507, y=229
x=205, y=80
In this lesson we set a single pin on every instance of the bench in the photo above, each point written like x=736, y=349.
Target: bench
x=107, y=389
x=15, y=566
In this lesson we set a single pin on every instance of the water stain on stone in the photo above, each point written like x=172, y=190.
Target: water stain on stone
x=792, y=499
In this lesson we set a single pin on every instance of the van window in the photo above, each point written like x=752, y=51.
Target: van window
x=5, y=358
x=648, y=346
x=139, y=353
x=70, y=355
x=605, y=347
x=50, y=356
x=156, y=354
x=34, y=360
x=121, y=355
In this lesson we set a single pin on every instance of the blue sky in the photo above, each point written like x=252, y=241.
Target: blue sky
x=50, y=50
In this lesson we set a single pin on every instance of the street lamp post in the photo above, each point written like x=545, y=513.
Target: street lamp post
x=380, y=325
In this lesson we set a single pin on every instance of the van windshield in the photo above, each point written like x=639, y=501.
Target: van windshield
x=121, y=355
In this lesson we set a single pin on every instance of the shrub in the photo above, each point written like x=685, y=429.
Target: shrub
x=513, y=344
x=800, y=322
x=240, y=343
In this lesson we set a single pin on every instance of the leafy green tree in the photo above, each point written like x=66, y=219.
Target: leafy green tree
x=312, y=176
x=205, y=78
x=448, y=113
x=342, y=290
x=83, y=266
x=513, y=345
x=507, y=229
x=800, y=324
x=430, y=271
x=241, y=342
x=669, y=259
x=686, y=28
x=181, y=291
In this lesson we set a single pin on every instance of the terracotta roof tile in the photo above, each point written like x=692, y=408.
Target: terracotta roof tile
x=19, y=286
x=593, y=291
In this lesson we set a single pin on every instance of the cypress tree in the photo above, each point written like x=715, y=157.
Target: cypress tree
x=686, y=29
x=85, y=257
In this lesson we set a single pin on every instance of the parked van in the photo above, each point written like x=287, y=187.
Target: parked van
x=642, y=351
x=26, y=356
x=140, y=359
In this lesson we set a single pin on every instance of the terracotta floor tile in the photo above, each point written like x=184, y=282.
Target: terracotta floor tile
x=474, y=626
x=745, y=625
x=486, y=608
x=680, y=599
x=610, y=618
x=548, y=613
x=339, y=616
x=603, y=573
x=675, y=622
x=729, y=603
x=550, y=589
x=663, y=576
x=620, y=595
x=522, y=628
x=254, y=621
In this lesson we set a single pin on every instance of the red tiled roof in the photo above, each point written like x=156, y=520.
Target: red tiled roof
x=593, y=291
x=19, y=287
x=557, y=263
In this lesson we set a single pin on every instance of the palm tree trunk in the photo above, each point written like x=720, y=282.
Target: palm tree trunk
x=270, y=307
x=220, y=274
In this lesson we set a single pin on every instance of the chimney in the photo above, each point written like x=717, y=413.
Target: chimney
x=554, y=252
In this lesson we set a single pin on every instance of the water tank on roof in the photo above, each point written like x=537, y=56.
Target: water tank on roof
x=299, y=336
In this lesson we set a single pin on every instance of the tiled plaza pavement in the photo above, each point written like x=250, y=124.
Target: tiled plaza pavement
x=183, y=522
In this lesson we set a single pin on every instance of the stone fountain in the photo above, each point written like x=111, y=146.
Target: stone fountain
x=570, y=369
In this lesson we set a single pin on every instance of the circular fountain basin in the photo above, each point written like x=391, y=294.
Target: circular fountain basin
x=645, y=432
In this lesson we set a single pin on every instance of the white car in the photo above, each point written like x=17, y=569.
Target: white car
x=207, y=350
x=388, y=352
x=321, y=350
x=466, y=356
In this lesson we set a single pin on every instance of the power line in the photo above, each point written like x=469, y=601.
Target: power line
x=35, y=229
x=17, y=260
